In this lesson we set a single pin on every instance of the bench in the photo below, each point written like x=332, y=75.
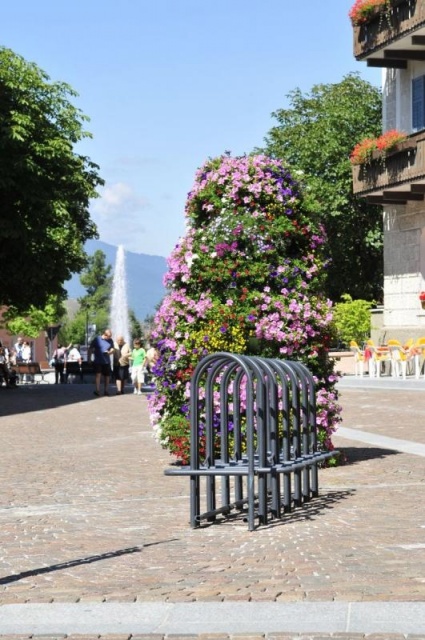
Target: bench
x=32, y=369
x=253, y=431
x=78, y=370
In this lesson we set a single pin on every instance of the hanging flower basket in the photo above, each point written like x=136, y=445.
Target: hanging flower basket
x=422, y=299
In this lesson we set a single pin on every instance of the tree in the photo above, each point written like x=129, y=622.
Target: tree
x=136, y=326
x=97, y=280
x=45, y=187
x=33, y=321
x=246, y=278
x=315, y=137
x=94, y=307
x=352, y=320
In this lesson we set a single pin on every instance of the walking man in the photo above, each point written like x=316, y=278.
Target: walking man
x=103, y=348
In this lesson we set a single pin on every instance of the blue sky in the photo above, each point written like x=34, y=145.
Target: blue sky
x=169, y=83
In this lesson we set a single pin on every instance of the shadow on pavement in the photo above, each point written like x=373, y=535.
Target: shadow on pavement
x=311, y=510
x=37, y=397
x=354, y=455
x=79, y=561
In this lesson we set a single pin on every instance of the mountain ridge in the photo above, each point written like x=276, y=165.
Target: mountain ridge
x=144, y=275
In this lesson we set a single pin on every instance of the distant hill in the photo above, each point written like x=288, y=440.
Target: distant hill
x=144, y=278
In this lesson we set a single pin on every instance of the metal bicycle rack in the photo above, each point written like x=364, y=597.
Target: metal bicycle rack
x=252, y=425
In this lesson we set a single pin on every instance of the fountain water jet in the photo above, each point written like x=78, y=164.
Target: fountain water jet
x=119, y=320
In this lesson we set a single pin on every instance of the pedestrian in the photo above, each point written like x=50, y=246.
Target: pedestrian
x=26, y=351
x=138, y=361
x=73, y=358
x=4, y=366
x=74, y=354
x=102, y=348
x=19, y=345
x=12, y=356
x=122, y=355
x=152, y=356
x=59, y=362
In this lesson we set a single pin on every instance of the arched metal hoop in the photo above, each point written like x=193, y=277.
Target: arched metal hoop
x=254, y=420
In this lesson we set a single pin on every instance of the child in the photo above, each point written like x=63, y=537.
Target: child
x=138, y=357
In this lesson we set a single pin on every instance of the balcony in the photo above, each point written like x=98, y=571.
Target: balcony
x=396, y=179
x=393, y=36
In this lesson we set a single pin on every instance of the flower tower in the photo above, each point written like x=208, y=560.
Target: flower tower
x=246, y=278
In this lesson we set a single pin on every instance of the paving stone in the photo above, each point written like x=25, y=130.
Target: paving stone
x=87, y=514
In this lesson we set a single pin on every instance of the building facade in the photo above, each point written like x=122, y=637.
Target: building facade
x=42, y=347
x=393, y=39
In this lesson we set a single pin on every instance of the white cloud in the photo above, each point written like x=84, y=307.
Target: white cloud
x=119, y=198
x=121, y=215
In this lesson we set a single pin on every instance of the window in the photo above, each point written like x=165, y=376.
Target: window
x=418, y=103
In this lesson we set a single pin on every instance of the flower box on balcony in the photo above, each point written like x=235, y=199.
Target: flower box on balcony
x=403, y=164
x=370, y=149
x=398, y=148
x=363, y=11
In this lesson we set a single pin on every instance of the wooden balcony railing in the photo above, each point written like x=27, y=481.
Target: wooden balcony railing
x=402, y=166
x=387, y=26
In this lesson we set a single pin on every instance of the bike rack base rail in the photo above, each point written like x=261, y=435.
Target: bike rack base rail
x=255, y=420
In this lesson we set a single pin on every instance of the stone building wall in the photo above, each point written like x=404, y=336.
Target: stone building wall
x=404, y=269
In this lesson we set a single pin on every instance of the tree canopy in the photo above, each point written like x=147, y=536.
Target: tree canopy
x=97, y=280
x=315, y=137
x=45, y=186
x=33, y=320
x=94, y=306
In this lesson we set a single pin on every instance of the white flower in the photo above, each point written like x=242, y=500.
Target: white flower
x=189, y=258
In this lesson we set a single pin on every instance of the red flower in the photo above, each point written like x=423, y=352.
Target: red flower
x=363, y=10
x=389, y=139
x=362, y=152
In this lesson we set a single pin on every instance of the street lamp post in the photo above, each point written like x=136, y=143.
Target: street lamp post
x=90, y=330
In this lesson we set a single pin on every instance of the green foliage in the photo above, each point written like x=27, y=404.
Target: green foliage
x=315, y=137
x=95, y=305
x=97, y=280
x=135, y=326
x=352, y=319
x=45, y=187
x=33, y=321
x=75, y=330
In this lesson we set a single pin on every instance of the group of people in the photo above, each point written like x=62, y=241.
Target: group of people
x=21, y=352
x=119, y=357
x=61, y=356
x=108, y=357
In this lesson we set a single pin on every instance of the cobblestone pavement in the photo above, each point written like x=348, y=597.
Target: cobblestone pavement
x=87, y=515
